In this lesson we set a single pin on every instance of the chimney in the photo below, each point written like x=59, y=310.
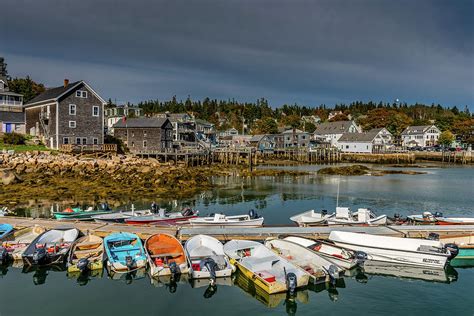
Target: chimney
x=66, y=82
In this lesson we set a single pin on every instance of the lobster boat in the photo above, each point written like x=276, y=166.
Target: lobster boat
x=124, y=252
x=270, y=272
x=87, y=254
x=51, y=247
x=166, y=256
x=15, y=244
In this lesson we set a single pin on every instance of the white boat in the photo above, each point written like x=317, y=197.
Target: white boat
x=316, y=265
x=221, y=220
x=119, y=217
x=311, y=218
x=363, y=216
x=16, y=244
x=409, y=251
x=426, y=217
x=454, y=220
x=343, y=258
x=206, y=258
x=269, y=271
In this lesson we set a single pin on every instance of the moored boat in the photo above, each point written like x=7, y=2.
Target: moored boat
x=87, y=254
x=311, y=218
x=269, y=271
x=16, y=243
x=5, y=230
x=78, y=213
x=51, y=247
x=424, y=218
x=119, y=217
x=124, y=252
x=454, y=221
x=363, y=216
x=207, y=259
x=409, y=251
x=465, y=244
x=221, y=220
x=163, y=218
x=166, y=256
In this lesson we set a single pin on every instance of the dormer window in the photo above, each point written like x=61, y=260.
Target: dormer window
x=81, y=94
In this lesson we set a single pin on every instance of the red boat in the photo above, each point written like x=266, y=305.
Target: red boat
x=454, y=221
x=163, y=218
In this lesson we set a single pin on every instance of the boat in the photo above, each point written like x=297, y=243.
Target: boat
x=363, y=216
x=166, y=256
x=271, y=272
x=221, y=220
x=124, y=252
x=78, y=213
x=16, y=243
x=87, y=254
x=5, y=230
x=120, y=217
x=424, y=218
x=311, y=218
x=465, y=244
x=207, y=259
x=320, y=269
x=341, y=257
x=409, y=251
x=163, y=218
x=454, y=221
x=51, y=247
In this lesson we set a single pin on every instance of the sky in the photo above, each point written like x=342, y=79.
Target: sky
x=287, y=51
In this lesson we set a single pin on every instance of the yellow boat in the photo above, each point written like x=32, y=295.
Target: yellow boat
x=86, y=254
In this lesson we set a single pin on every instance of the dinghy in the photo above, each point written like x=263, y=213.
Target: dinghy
x=163, y=218
x=465, y=245
x=5, y=230
x=78, y=213
x=51, y=247
x=311, y=218
x=317, y=266
x=221, y=220
x=409, y=251
x=124, y=252
x=166, y=256
x=425, y=218
x=363, y=216
x=454, y=220
x=269, y=271
x=341, y=257
x=207, y=259
x=87, y=254
x=119, y=217
x=16, y=243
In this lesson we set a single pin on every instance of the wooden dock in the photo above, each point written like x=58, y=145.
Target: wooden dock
x=225, y=234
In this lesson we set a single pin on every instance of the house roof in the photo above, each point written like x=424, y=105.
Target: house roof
x=416, y=129
x=358, y=137
x=5, y=92
x=203, y=122
x=141, y=122
x=296, y=131
x=12, y=117
x=174, y=117
x=257, y=138
x=338, y=127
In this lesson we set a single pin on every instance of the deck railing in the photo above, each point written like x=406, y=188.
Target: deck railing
x=69, y=148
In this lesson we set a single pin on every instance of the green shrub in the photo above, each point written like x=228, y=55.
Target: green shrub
x=13, y=139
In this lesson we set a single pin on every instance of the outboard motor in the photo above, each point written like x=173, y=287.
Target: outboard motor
x=453, y=249
x=83, y=264
x=333, y=274
x=360, y=257
x=211, y=266
x=438, y=214
x=253, y=214
x=174, y=269
x=324, y=212
x=433, y=236
x=361, y=277
x=3, y=255
x=210, y=291
x=39, y=255
x=129, y=262
x=291, y=282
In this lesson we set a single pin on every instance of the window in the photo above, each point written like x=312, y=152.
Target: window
x=78, y=140
x=144, y=133
x=17, y=128
x=72, y=109
x=72, y=124
x=95, y=111
x=144, y=144
x=65, y=140
x=347, y=146
x=81, y=94
x=133, y=144
x=95, y=141
x=133, y=134
x=84, y=141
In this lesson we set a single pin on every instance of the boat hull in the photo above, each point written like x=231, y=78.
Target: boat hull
x=253, y=223
x=380, y=220
x=157, y=220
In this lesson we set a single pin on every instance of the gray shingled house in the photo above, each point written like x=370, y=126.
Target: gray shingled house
x=70, y=114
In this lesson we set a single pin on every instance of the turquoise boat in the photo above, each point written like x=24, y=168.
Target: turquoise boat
x=77, y=213
x=124, y=252
x=5, y=230
x=465, y=245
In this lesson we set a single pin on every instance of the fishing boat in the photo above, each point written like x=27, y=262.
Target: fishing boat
x=424, y=218
x=221, y=220
x=454, y=221
x=269, y=271
x=78, y=213
x=120, y=217
x=16, y=243
x=124, y=252
x=465, y=244
x=5, y=230
x=166, y=256
x=320, y=269
x=207, y=259
x=87, y=254
x=312, y=218
x=163, y=218
x=409, y=251
x=341, y=257
x=363, y=216
x=51, y=247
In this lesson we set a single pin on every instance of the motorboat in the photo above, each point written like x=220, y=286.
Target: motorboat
x=78, y=213
x=424, y=218
x=363, y=216
x=124, y=252
x=409, y=251
x=269, y=271
x=163, y=218
x=166, y=256
x=221, y=220
x=312, y=218
x=120, y=217
x=454, y=221
x=465, y=244
x=87, y=254
x=16, y=243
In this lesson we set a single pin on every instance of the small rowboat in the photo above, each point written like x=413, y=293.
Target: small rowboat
x=119, y=217
x=269, y=271
x=51, y=247
x=465, y=245
x=87, y=254
x=454, y=221
x=363, y=216
x=311, y=218
x=124, y=252
x=425, y=218
x=5, y=230
x=221, y=220
x=163, y=218
x=343, y=258
x=207, y=259
x=79, y=214
x=16, y=243
x=166, y=256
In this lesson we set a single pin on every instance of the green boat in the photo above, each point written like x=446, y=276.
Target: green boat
x=77, y=213
x=465, y=257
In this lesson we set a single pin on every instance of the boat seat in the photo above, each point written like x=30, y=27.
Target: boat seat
x=168, y=254
x=88, y=245
x=201, y=251
x=259, y=264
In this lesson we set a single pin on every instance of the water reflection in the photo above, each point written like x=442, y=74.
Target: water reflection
x=40, y=273
x=84, y=277
x=127, y=277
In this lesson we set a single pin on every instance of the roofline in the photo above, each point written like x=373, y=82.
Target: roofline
x=39, y=105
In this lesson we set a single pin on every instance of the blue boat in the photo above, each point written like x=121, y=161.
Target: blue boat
x=124, y=252
x=5, y=230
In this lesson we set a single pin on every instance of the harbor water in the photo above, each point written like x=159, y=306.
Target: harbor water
x=375, y=291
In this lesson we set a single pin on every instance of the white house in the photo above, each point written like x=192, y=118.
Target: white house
x=374, y=141
x=332, y=131
x=423, y=136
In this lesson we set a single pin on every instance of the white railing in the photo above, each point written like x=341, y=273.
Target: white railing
x=10, y=102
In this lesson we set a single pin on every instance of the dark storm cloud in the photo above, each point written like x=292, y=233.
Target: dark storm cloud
x=289, y=51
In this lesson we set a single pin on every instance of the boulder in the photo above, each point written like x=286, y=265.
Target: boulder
x=8, y=176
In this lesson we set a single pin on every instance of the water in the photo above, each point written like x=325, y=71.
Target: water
x=449, y=190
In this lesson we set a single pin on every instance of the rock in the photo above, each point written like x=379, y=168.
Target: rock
x=7, y=176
